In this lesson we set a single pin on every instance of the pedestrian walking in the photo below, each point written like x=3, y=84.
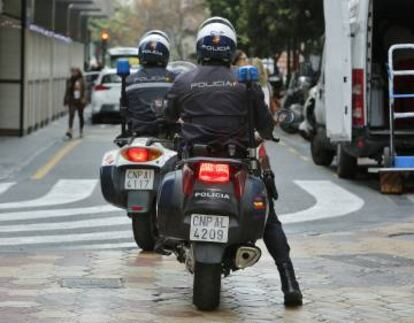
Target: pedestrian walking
x=75, y=100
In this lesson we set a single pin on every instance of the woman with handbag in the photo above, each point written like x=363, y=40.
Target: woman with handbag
x=75, y=99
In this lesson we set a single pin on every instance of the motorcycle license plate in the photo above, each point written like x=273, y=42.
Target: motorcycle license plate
x=209, y=228
x=139, y=179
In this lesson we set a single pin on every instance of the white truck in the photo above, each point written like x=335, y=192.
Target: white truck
x=347, y=113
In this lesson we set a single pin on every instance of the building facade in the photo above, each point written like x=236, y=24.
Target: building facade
x=39, y=41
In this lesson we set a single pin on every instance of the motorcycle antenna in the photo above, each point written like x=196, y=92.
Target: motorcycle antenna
x=249, y=75
x=123, y=70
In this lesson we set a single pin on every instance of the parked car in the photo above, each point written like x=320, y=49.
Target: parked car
x=105, y=97
x=348, y=114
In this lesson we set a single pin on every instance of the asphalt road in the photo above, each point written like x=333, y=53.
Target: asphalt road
x=50, y=196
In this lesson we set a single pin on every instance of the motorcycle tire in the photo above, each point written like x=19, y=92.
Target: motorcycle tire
x=207, y=285
x=347, y=165
x=143, y=229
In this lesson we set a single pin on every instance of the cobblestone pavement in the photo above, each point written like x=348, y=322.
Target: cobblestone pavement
x=348, y=277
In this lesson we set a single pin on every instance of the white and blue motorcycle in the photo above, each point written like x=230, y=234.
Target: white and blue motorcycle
x=131, y=174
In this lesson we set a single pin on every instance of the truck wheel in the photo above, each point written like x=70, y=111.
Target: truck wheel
x=347, y=165
x=143, y=229
x=320, y=155
x=207, y=285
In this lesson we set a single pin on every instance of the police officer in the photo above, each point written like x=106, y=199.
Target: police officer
x=213, y=109
x=146, y=89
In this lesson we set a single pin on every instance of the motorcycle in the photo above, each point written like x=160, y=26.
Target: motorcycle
x=295, y=100
x=212, y=210
x=131, y=174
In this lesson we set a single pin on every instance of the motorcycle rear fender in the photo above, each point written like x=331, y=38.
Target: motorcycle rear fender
x=111, y=186
x=209, y=253
x=142, y=199
x=174, y=211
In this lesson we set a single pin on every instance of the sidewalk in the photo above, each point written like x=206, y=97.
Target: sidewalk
x=348, y=277
x=16, y=152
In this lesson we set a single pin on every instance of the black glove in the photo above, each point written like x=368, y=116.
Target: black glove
x=269, y=180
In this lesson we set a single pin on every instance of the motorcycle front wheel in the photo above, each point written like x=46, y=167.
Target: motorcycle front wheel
x=207, y=285
x=143, y=229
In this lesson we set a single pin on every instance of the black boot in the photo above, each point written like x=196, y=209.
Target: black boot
x=290, y=286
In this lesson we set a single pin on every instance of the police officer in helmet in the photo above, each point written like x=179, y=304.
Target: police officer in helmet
x=145, y=90
x=213, y=109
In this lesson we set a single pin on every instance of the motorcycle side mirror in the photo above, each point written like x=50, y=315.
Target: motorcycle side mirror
x=123, y=68
x=285, y=117
x=247, y=74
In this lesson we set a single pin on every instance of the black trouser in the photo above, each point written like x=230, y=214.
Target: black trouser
x=275, y=239
x=72, y=111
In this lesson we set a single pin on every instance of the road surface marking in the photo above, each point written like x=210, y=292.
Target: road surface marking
x=56, y=158
x=61, y=238
x=90, y=223
x=5, y=186
x=45, y=214
x=411, y=197
x=331, y=201
x=65, y=191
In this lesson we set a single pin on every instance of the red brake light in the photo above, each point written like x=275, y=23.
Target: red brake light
x=101, y=87
x=214, y=173
x=358, y=116
x=140, y=155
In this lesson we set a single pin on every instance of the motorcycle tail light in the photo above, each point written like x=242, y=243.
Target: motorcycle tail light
x=188, y=180
x=141, y=155
x=214, y=173
x=239, y=183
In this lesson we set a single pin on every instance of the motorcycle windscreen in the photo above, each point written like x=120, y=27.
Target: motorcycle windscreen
x=338, y=71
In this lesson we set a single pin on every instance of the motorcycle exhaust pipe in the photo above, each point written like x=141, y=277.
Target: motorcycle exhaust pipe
x=247, y=256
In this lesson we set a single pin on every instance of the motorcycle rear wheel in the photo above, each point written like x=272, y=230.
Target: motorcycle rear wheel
x=207, y=285
x=143, y=229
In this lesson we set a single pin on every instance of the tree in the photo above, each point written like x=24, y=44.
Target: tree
x=268, y=27
x=172, y=16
